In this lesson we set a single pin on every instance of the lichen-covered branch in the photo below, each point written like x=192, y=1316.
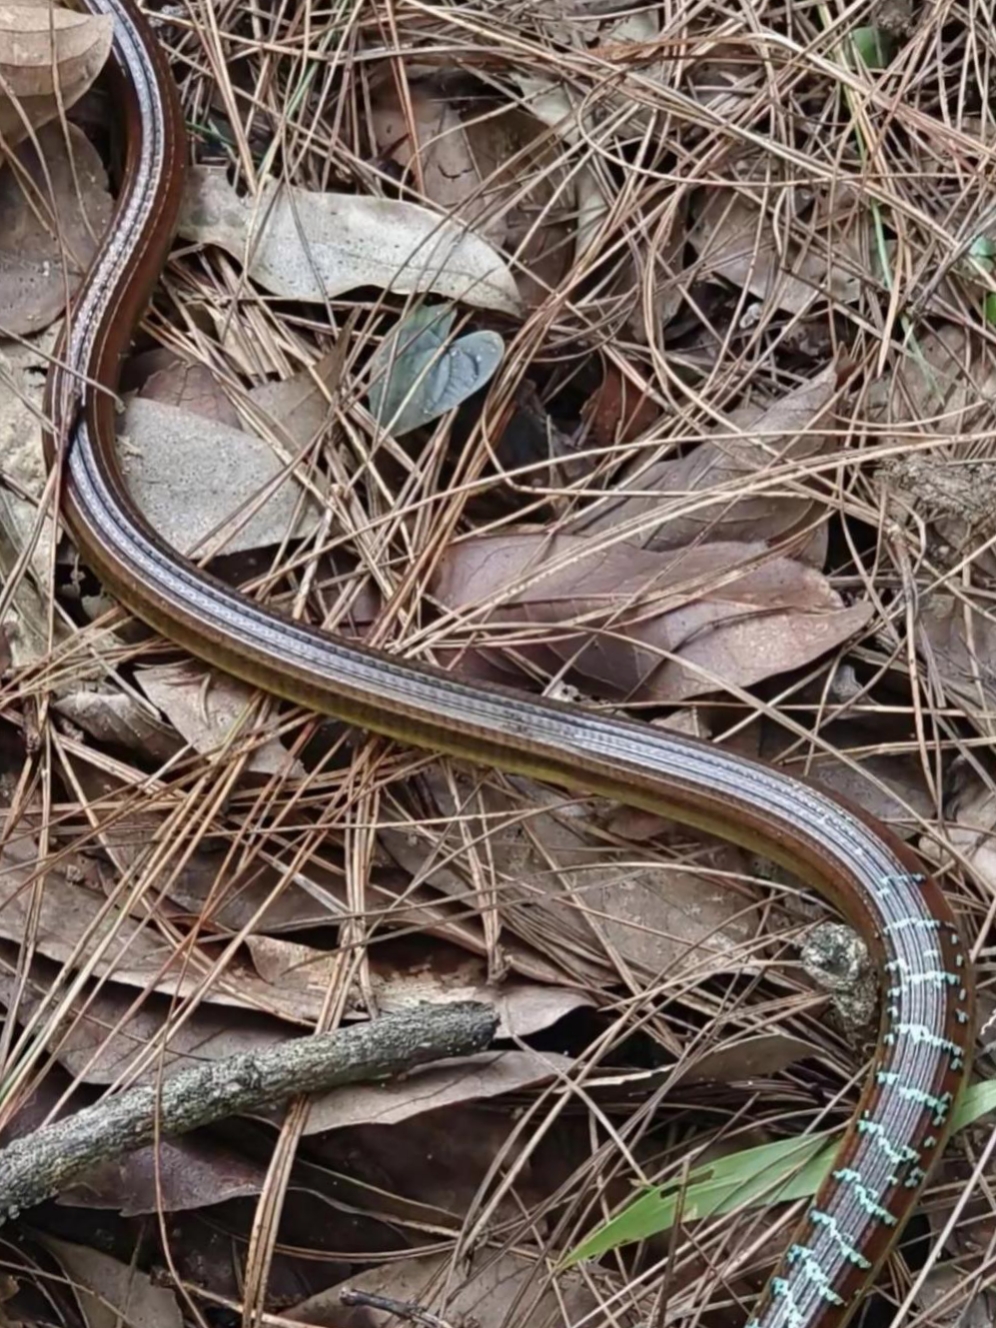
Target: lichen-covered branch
x=52, y=1158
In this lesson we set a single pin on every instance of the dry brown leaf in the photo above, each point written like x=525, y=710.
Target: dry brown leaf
x=499, y=175
x=943, y=389
x=559, y=885
x=957, y=636
x=103, y=1033
x=36, y=80
x=761, y=444
x=120, y=719
x=617, y=413
x=761, y=1056
x=302, y=245
x=206, y=887
x=643, y=625
x=438, y=158
x=41, y=260
x=507, y=1289
x=888, y=786
x=473, y=1079
x=192, y=388
x=110, y=1293
x=215, y=713
x=402, y=976
x=68, y=930
x=553, y=103
x=944, y=385
x=739, y=239
x=536, y=198
x=942, y=1293
x=180, y=1175
x=192, y=477
x=300, y=404
x=971, y=833
x=30, y=616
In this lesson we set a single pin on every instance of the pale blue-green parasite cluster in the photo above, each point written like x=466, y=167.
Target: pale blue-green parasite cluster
x=845, y=1246
x=813, y=1269
x=886, y=884
x=925, y=1037
x=926, y=999
x=940, y=1104
x=897, y=1156
x=865, y=1197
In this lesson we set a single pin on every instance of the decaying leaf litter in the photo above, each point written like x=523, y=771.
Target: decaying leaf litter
x=640, y=357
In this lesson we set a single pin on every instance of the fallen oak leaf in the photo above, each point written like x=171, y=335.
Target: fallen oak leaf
x=301, y=245
x=640, y=624
x=743, y=475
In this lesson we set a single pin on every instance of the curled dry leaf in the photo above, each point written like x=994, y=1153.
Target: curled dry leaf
x=945, y=384
x=540, y=201
x=53, y=213
x=971, y=833
x=37, y=80
x=734, y=487
x=310, y=246
x=644, y=625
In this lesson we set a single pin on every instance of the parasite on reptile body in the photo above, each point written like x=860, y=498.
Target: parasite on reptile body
x=874, y=880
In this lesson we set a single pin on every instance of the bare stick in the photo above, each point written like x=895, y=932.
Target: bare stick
x=52, y=1158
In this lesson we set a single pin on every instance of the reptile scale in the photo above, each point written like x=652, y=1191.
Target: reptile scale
x=923, y=1052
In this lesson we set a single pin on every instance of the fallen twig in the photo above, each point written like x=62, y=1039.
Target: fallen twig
x=51, y=1158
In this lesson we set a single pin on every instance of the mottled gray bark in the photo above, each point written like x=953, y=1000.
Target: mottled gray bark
x=52, y=1158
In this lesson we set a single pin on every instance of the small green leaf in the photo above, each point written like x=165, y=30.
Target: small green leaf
x=873, y=46
x=780, y=1172
x=972, y=1103
x=774, y=1173
x=416, y=376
